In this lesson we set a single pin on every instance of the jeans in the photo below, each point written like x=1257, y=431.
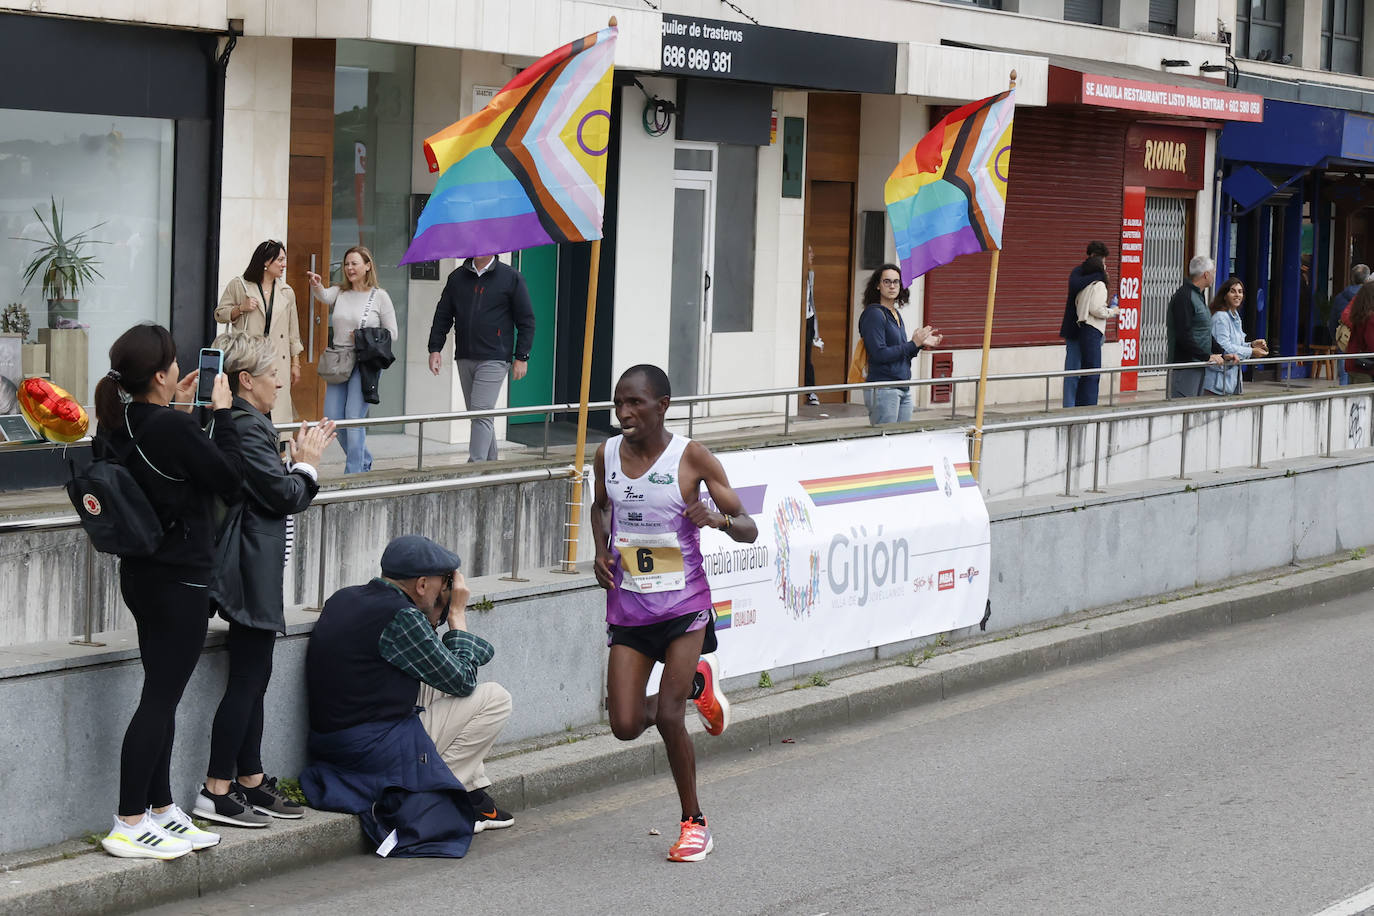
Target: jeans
x=481, y=380
x=887, y=405
x=1089, y=357
x=344, y=401
x=1072, y=360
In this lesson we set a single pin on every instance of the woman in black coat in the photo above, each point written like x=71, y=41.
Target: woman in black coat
x=248, y=583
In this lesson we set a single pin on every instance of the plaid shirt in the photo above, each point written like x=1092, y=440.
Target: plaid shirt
x=449, y=663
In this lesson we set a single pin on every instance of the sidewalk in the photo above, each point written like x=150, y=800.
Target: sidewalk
x=76, y=878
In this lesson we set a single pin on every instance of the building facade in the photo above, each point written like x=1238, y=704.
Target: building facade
x=739, y=140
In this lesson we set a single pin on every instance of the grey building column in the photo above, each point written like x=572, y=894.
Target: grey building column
x=1126, y=14
x=1302, y=33
x=1050, y=9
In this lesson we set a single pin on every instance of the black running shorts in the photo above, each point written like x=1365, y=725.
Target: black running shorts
x=653, y=639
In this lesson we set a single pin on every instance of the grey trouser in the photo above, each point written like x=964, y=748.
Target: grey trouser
x=1187, y=383
x=481, y=380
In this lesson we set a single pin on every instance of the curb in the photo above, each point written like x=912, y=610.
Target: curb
x=71, y=883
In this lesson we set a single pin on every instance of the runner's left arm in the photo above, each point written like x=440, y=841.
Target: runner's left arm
x=732, y=519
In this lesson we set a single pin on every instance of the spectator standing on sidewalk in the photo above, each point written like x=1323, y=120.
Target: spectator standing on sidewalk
x=181, y=470
x=1359, y=276
x=1189, y=329
x=1085, y=324
x=247, y=586
x=399, y=726
x=813, y=330
x=890, y=352
x=487, y=306
x=1227, y=331
x=1361, y=336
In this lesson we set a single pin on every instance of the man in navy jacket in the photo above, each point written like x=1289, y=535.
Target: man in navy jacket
x=487, y=306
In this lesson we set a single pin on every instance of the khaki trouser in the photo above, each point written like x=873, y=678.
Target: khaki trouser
x=465, y=728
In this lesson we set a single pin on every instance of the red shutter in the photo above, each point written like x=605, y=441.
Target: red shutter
x=1065, y=191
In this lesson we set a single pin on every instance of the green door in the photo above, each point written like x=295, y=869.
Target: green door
x=540, y=269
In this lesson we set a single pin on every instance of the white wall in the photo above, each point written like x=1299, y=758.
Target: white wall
x=257, y=151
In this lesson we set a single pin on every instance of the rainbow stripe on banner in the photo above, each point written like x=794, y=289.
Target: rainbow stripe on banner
x=723, y=614
x=853, y=488
x=965, y=471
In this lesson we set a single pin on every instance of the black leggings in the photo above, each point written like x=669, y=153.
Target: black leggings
x=172, y=618
x=236, y=737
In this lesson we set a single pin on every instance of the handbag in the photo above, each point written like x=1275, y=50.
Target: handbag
x=336, y=363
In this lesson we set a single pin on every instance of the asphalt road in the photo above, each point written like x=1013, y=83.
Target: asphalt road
x=1226, y=774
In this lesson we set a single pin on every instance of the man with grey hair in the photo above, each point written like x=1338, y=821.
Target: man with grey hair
x=1189, y=328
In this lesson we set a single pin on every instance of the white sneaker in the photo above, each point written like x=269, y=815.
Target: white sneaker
x=144, y=840
x=179, y=825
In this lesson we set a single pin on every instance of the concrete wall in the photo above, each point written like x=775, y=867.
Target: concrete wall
x=63, y=708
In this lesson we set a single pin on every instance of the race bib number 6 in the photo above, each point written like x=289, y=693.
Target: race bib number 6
x=650, y=562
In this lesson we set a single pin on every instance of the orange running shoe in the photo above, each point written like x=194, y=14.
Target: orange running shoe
x=712, y=706
x=693, y=844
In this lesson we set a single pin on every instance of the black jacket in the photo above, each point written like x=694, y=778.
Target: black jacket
x=248, y=580
x=491, y=315
x=1080, y=278
x=191, y=470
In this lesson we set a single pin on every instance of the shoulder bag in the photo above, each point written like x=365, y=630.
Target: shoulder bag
x=336, y=363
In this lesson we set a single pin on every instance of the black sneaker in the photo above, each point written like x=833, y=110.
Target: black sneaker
x=230, y=808
x=266, y=798
x=489, y=816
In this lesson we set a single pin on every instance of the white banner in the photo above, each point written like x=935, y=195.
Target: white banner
x=861, y=543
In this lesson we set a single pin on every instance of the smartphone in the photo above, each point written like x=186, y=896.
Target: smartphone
x=211, y=364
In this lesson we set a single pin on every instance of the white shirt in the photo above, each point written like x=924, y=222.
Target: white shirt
x=349, y=306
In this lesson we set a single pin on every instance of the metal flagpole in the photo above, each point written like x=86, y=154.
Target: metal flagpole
x=987, y=348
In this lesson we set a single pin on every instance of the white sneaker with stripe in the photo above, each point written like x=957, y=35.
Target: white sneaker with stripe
x=179, y=824
x=144, y=840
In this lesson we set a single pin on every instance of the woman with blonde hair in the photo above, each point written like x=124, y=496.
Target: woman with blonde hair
x=358, y=302
x=247, y=587
x=259, y=302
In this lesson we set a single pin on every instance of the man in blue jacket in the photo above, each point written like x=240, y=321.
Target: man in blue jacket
x=488, y=308
x=399, y=726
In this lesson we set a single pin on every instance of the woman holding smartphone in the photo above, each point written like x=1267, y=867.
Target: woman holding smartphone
x=182, y=470
x=247, y=589
x=357, y=303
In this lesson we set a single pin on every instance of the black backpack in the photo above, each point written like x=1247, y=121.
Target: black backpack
x=113, y=508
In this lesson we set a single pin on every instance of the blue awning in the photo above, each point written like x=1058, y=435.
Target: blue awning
x=1300, y=136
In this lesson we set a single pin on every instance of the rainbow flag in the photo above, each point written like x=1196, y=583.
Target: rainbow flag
x=723, y=613
x=964, y=471
x=853, y=488
x=948, y=195
x=530, y=168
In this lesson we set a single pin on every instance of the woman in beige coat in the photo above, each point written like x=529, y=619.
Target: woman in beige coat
x=260, y=302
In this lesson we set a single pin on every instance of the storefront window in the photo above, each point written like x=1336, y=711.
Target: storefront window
x=111, y=177
x=374, y=99
x=1259, y=29
x=1342, y=34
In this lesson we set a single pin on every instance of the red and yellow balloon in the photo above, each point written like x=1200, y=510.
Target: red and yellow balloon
x=52, y=411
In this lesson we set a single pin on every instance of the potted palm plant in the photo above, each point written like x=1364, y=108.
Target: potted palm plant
x=63, y=263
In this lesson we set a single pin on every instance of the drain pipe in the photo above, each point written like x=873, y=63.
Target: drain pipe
x=220, y=63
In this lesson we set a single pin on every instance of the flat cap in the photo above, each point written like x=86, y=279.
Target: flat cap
x=411, y=556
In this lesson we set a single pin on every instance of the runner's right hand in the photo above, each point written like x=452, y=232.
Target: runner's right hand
x=602, y=568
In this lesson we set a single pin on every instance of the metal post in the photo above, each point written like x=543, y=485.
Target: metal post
x=1047, y=396
x=1183, y=449
x=1068, y=460
x=89, y=640
x=1111, y=388
x=420, y=449
x=691, y=415
x=787, y=414
x=548, y=417
x=515, y=540
x=319, y=591
x=1097, y=450
x=1330, y=410
x=953, y=399
x=1259, y=438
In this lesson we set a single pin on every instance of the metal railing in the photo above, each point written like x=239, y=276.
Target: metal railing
x=1185, y=408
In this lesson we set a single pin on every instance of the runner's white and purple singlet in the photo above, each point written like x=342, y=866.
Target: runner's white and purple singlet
x=658, y=572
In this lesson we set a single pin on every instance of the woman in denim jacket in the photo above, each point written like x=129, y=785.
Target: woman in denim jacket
x=1227, y=332
x=889, y=351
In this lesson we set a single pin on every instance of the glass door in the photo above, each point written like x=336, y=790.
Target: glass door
x=689, y=315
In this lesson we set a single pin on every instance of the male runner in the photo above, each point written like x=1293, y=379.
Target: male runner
x=646, y=521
